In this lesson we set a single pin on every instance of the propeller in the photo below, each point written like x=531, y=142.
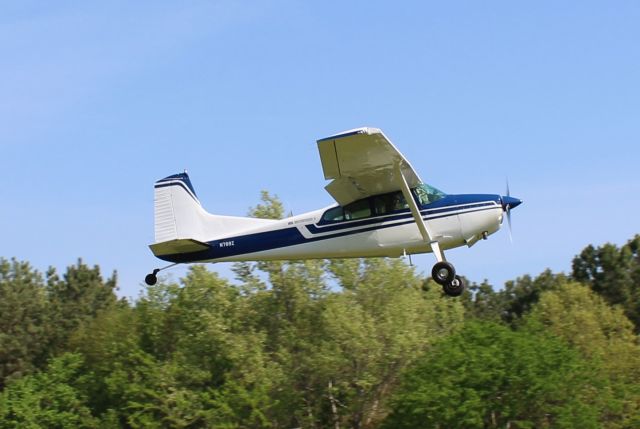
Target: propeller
x=508, y=203
x=508, y=210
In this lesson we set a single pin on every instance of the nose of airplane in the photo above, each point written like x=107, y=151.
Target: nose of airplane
x=510, y=203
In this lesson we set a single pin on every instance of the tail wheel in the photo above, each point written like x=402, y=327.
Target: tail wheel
x=152, y=278
x=455, y=287
x=443, y=273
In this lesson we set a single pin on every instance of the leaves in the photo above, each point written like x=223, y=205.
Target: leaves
x=613, y=273
x=51, y=399
x=489, y=376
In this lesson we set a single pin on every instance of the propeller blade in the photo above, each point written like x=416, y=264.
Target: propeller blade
x=507, y=209
x=509, y=223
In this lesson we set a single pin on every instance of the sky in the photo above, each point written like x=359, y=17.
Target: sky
x=100, y=99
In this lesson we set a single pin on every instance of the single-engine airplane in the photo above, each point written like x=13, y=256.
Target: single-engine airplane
x=383, y=209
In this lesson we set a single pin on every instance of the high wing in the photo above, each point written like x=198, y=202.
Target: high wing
x=361, y=163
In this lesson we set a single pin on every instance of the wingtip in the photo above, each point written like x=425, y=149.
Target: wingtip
x=354, y=131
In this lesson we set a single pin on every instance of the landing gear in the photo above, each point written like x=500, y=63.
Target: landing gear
x=443, y=272
x=152, y=278
x=455, y=287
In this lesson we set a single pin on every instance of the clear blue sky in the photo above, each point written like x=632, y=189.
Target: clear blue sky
x=100, y=99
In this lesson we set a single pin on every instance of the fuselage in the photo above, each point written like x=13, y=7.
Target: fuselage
x=372, y=227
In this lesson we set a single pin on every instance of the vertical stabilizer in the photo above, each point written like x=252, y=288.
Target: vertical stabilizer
x=178, y=214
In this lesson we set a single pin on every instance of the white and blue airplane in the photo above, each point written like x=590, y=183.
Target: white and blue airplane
x=383, y=209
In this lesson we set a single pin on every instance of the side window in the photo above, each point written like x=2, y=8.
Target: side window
x=357, y=210
x=334, y=214
x=399, y=202
x=388, y=203
x=381, y=204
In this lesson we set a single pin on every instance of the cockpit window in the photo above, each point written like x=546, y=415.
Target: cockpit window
x=427, y=194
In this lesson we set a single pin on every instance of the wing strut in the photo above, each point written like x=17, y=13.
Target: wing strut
x=415, y=211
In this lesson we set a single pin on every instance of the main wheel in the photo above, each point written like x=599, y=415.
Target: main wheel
x=443, y=273
x=455, y=287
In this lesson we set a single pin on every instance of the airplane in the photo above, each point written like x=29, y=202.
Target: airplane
x=383, y=209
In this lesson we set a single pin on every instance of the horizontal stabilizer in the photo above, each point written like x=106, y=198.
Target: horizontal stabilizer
x=178, y=246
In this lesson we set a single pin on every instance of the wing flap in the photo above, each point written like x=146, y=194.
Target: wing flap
x=361, y=163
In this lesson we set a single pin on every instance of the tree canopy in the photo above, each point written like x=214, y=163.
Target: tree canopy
x=360, y=343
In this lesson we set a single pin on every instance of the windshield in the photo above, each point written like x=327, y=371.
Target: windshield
x=428, y=194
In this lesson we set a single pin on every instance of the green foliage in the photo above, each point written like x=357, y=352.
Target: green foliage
x=513, y=301
x=613, y=273
x=50, y=399
x=23, y=320
x=366, y=336
x=490, y=376
x=214, y=369
x=270, y=207
x=76, y=299
x=605, y=337
x=37, y=316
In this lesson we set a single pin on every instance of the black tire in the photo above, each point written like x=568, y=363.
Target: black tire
x=151, y=279
x=455, y=287
x=443, y=273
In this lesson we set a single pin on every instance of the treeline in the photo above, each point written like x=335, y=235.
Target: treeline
x=323, y=344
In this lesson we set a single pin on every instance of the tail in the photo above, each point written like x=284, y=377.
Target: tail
x=183, y=225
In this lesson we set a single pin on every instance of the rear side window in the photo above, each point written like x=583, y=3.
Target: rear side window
x=357, y=210
x=334, y=214
x=389, y=203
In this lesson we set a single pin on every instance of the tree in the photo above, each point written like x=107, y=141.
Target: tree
x=481, y=301
x=50, y=399
x=613, y=273
x=511, y=303
x=490, y=376
x=37, y=316
x=604, y=336
x=519, y=296
x=76, y=299
x=211, y=367
x=23, y=320
x=367, y=334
